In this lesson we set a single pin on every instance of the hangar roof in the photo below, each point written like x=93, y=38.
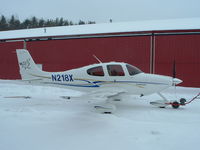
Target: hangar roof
x=136, y=26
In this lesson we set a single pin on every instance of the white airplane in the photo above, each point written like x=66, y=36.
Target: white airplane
x=109, y=80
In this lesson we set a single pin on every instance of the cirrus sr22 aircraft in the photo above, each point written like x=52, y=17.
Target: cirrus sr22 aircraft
x=108, y=80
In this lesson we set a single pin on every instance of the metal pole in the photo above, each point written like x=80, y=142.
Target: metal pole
x=24, y=44
x=152, y=53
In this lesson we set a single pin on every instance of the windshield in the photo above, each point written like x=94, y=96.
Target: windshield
x=133, y=70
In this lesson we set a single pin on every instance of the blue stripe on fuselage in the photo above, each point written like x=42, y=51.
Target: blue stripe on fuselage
x=99, y=83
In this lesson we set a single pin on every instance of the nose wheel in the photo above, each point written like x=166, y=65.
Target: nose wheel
x=174, y=104
x=164, y=103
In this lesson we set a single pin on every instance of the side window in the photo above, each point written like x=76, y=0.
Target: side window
x=115, y=70
x=96, y=71
x=133, y=70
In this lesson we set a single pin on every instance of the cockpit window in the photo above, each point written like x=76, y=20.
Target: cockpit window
x=115, y=70
x=96, y=71
x=133, y=70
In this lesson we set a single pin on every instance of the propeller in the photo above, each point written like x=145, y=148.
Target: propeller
x=174, y=69
x=174, y=76
x=175, y=80
x=176, y=104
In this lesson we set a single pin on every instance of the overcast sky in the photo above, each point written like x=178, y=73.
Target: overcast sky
x=101, y=10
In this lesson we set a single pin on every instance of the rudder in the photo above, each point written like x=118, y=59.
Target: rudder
x=28, y=68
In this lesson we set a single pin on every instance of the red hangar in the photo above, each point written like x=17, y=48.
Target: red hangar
x=166, y=47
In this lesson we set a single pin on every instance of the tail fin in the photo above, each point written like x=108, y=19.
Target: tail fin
x=28, y=68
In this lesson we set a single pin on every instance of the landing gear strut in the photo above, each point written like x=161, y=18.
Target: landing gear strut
x=174, y=104
x=163, y=103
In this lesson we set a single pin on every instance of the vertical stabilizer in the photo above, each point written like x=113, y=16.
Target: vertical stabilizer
x=28, y=68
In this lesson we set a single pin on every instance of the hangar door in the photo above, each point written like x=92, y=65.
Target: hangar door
x=185, y=51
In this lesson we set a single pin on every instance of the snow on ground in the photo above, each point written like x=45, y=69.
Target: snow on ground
x=48, y=122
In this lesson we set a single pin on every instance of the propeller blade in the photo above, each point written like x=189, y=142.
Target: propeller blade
x=174, y=69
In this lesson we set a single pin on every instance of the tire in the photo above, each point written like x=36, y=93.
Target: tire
x=182, y=101
x=175, y=104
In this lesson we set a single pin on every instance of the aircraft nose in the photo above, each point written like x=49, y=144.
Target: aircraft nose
x=176, y=81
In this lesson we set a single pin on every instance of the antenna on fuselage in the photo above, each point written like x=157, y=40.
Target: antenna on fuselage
x=97, y=58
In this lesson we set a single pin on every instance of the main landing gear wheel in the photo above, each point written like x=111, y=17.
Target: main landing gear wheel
x=175, y=104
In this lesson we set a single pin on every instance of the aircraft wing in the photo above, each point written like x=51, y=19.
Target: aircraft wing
x=106, y=93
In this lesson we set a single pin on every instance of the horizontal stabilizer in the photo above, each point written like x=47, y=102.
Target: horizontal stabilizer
x=159, y=103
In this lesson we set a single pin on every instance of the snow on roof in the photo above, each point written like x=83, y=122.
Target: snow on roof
x=136, y=26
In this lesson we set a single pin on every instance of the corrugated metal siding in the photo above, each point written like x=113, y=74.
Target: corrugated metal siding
x=8, y=60
x=59, y=55
x=185, y=50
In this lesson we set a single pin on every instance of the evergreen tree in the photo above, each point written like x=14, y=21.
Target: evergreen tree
x=41, y=23
x=56, y=22
x=61, y=22
x=26, y=24
x=3, y=23
x=49, y=23
x=71, y=23
x=81, y=22
x=33, y=22
x=91, y=22
x=66, y=23
x=12, y=23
